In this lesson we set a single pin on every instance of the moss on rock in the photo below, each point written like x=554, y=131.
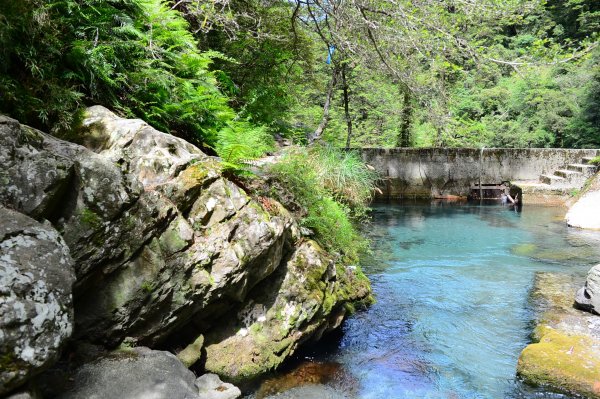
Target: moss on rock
x=565, y=355
x=568, y=362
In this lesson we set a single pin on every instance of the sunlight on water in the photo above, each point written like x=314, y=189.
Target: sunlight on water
x=452, y=313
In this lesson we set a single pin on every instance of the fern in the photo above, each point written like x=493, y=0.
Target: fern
x=135, y=56
x=240, y=141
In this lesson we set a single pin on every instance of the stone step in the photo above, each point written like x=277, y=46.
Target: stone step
x=567, y=174
x=587, y=170
x=586, y=160
x=552, y=179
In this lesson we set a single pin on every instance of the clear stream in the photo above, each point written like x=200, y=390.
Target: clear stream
x=453, y=313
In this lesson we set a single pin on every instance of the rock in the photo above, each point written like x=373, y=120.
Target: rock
x=588, y=296
x=210, y=386
x=308, y=373
x=565, y=361
x=32, y=180
x=137, y=373
x=36, y=317
x=305, y=298
x=565, y=355
x=192, y=353
x=166, y=248
x=585, y=213
x=157, y=234
x=151, y=156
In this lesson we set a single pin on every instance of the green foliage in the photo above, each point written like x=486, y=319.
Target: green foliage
x=333, y=187
x=241, y=141
x=344, y=175
x=137, y=57
x=196, y=68
x=273, y=59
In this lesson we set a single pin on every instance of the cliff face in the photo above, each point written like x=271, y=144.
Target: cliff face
x=164, y=248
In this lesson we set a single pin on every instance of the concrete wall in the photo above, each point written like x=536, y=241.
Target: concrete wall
x=439, y=172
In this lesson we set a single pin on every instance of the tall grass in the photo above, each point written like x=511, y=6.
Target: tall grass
x=344, y=174
x=334, y=187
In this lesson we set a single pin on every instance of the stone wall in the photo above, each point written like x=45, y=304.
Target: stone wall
x=441, y=172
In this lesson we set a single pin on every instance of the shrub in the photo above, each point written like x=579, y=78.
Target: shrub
x=334, y=188
x=135, y=56
x=344, y=174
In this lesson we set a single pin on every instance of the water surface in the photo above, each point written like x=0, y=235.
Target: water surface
x=453, y=313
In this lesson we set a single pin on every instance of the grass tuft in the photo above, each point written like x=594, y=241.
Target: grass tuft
x=334, y=187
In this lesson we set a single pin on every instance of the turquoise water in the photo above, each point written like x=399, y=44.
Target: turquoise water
x=453, y=313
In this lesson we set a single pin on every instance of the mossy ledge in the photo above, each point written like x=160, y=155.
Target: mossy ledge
x=565, y=354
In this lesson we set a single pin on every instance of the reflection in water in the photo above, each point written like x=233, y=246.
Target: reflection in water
x=452, y=314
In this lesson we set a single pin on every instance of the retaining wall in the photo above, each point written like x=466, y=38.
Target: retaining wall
x=442, y=172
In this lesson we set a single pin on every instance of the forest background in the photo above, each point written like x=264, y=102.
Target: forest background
x=229, y=75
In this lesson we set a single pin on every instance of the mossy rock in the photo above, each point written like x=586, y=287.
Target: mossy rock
x=527, y=249
x=567, y=362
x=192, y=353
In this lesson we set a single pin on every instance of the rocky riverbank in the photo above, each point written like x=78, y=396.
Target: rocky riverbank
x=565, y=353
x=137, y=239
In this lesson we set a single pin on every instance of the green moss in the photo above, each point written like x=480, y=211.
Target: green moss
x=192, y=353
x=147, y=286
x=9, y=362
x=171, y=240
x=91, y=219
x=526, y=249
x=256, y=328
x=567, y=362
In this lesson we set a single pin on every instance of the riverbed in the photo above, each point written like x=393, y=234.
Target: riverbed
x=453, y=310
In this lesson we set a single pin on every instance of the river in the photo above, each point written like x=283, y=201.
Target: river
x=453, y=312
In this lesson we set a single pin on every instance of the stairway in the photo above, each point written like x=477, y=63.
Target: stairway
x=572, y=177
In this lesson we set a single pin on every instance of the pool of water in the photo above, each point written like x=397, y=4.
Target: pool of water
x=453, y=313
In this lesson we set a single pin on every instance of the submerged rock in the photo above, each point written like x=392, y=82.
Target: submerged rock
x=307, y=373
x=36, y=275
x=310, y=392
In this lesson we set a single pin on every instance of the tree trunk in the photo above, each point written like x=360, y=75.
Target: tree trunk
x=406, y=119
x=346, y=107
x=321, y=128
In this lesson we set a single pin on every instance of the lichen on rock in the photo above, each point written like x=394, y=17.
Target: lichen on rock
x=36, y=317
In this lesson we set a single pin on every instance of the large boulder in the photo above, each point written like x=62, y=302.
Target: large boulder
x=305, y=298
x=588, y=296
x=585, y=213
x=142, y=373
x=165, y=247
x=36, y=275
x=156, y=232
